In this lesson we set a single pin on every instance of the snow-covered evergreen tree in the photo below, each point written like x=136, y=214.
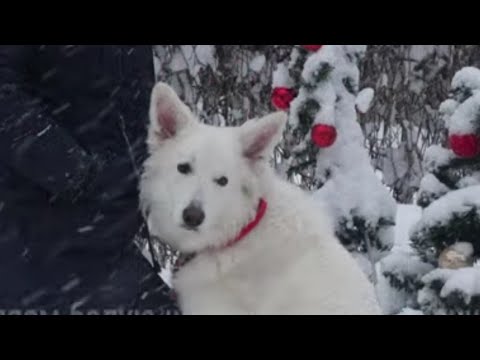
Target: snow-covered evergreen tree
x=324, y=145
x=448, y=234
x=446, y=240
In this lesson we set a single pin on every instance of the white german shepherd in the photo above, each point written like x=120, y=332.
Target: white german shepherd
x=261, y=245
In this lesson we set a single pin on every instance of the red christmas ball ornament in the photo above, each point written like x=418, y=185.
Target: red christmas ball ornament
x=323, y=135
x=465, y=146
x=282, y=97
x=312, y=48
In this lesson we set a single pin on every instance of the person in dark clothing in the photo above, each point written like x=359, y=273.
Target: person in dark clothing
x=73, y=122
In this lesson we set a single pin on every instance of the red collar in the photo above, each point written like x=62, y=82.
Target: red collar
x=261, y=210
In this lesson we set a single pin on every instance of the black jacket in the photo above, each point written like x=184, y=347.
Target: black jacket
x=73, y=122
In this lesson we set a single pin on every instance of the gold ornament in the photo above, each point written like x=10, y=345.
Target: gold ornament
x=457, y=256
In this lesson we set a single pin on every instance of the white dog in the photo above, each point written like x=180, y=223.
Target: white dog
x=261, y=245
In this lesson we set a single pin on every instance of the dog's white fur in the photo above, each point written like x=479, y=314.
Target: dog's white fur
x=291, y=263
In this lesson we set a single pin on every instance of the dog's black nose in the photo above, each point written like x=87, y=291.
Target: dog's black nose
x=193, y=216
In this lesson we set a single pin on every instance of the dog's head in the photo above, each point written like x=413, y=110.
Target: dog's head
x=202, y=184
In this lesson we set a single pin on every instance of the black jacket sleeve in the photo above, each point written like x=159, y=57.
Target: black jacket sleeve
x=31, y=142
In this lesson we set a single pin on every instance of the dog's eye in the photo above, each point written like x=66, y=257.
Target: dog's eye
x=223, y=181
x=184, y=169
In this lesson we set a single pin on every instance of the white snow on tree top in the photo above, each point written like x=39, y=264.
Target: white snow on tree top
x=281, y=77
x=471, y=180
x=442, y=210
x=465, y=282
x=364, y=100
x=403, y=264
x=436, y=157
x=446, y=110
x=466, y=117
x=325, y=95
x=352, y=189
x=432, y=185
x=467, y=78
x=328, y=55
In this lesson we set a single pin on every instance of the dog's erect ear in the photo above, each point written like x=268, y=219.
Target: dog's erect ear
x=168, y=114
x=259, y=137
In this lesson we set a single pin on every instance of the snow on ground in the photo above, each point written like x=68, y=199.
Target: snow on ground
x=393, y=301
x=407, y=217
x=410, y=312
